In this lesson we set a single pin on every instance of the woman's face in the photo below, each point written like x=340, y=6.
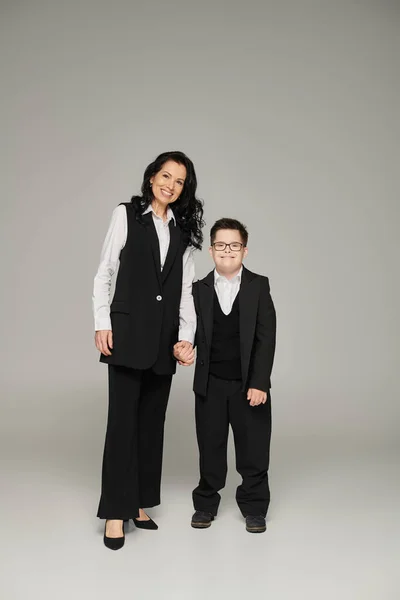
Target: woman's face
x=168, y=183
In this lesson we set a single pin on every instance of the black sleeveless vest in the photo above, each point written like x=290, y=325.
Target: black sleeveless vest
x=225, y=346
x=145, y=308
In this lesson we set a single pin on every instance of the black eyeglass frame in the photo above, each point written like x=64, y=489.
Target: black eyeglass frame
x=225, y=245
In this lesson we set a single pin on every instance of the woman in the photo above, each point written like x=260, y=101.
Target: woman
x=153, y=238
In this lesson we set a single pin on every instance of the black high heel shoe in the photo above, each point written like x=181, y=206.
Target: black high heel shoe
x=114, y=543
x=145, y=524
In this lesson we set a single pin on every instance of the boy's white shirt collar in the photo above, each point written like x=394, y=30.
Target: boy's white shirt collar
x=237, y=278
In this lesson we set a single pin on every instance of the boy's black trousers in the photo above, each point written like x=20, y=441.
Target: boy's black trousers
x=226, y=404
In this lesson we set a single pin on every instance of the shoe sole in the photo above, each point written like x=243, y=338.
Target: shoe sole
x=256, y=529
x=200, y=525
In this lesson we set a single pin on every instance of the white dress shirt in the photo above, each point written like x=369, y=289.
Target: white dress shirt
x=227, y=290
x=114, y=242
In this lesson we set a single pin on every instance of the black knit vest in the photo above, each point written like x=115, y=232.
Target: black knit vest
x=225, y=346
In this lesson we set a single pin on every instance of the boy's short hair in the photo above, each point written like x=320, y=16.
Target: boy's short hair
x=226, y=223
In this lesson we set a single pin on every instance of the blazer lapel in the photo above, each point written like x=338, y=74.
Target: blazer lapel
x=206, y=297
x=248, y=305
x=174, y=239
x=154, y=243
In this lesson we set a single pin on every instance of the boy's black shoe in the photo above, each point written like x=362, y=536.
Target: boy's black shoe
x=255, y=524
x=201, y=519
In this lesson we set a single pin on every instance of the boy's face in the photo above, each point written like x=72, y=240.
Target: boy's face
x=228, y=260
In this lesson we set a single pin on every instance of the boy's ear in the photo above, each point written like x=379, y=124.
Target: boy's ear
x=210, y=251
x=245, y=250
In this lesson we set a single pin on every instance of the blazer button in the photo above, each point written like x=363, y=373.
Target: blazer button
x=202, y=363
x=159, y=298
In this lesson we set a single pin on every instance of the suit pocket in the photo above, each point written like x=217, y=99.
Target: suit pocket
x=119, y=307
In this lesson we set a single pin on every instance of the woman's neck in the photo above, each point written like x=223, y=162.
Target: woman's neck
x=159, y=209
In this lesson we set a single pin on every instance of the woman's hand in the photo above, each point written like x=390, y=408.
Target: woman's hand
x=104, y=341
x=184, y=353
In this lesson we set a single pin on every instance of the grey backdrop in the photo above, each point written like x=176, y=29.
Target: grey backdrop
x=289, y=111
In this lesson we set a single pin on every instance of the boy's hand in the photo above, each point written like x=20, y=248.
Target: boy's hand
x=256, y=397
x=184, y=353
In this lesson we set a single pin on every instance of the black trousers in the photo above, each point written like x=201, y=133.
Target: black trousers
x=132, y=461
x=226, y=404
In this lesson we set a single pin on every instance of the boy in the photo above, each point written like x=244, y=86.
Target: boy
x=235, y=339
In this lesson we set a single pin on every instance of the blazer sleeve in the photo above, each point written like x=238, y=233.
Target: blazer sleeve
x=195, y=293
x=264, y=341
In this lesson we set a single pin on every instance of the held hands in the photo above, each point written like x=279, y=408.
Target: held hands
x=256, y=397
x=184, y=353
x=104, y=341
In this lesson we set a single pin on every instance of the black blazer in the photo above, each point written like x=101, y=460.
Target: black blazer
x=257, y=331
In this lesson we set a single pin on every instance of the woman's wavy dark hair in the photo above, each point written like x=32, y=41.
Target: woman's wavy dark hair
x=188, y=209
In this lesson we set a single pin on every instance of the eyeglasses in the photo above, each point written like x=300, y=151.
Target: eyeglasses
x=233, y=246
